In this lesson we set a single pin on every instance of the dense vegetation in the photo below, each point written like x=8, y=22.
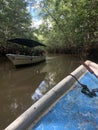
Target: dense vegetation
x=69, y=26
x=73, y=24
x=15, y=21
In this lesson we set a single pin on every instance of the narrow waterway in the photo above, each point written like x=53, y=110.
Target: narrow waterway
x=18, y=85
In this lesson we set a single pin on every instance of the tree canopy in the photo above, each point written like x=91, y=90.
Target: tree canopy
x=65, y=23
x=69, y=23
x=15, y=20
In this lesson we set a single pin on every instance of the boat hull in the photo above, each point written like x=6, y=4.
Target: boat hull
x=22, y=60
x=74, y=111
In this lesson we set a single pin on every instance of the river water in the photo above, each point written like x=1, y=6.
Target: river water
x=18, y=86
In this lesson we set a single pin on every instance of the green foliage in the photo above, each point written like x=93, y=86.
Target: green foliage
x=14, y=20
x=66, y=23
x=69, y=23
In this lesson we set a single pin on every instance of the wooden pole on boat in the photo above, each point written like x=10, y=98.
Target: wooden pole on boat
x=89, y=69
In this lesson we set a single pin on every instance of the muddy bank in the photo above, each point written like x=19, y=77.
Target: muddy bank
x=90, y=52
x=19, y=50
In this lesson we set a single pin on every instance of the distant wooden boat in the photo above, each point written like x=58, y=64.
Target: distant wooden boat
x=58, y=109
x=21, y=60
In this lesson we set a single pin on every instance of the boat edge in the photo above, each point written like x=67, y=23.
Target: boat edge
x=43, y=105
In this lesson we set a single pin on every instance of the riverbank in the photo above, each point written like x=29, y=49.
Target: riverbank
x=84, y=52
x=19, y=50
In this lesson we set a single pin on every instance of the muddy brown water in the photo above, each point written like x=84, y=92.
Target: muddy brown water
x=18, y=85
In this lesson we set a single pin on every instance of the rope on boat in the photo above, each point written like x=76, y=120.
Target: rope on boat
x=85, y=90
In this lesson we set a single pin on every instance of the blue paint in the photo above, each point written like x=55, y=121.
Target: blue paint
x=74, y=111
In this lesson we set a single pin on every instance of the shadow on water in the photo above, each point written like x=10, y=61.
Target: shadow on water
x=19, y=85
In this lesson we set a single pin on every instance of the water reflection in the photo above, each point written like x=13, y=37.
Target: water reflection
x=57, y=68
x=44, y=86
x=17, y=85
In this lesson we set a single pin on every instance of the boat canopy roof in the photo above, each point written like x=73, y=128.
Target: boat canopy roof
x=26, y=42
